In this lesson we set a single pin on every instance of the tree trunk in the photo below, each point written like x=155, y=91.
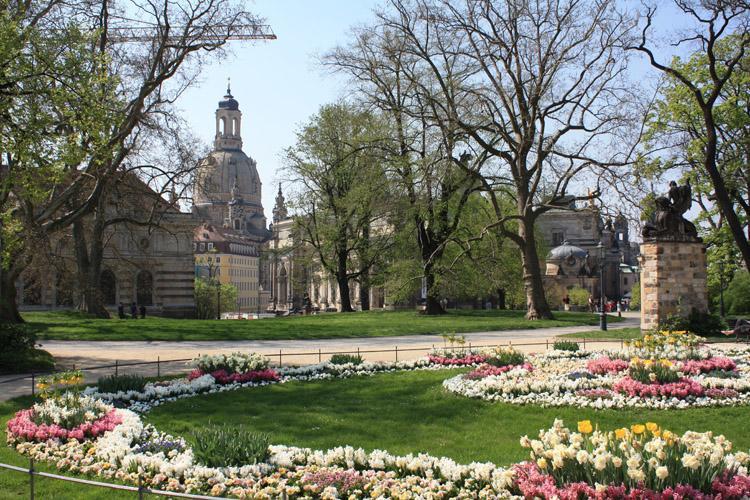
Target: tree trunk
x=432, y=302
x=364, y=272
x=8, y=306
x=501, y=298
x=364, y=291
x=536, y=302
x=343, y=282
x=89, y=266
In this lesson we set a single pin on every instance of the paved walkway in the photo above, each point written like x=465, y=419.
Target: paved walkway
x=76, y=354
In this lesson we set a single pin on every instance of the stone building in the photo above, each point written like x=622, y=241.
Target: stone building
x=227, y=202
x=573, y=233
x=151, y=265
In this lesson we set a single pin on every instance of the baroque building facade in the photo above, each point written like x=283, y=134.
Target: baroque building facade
x=573, y=234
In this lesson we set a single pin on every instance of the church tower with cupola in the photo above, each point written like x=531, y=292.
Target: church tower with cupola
x=227, y=190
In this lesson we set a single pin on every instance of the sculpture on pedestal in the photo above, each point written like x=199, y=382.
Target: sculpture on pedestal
x=668, y=222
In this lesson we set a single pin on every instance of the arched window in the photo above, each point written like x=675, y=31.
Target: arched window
x=144, y=289
x=235, y=127
x=108, y=287
x=223, y=126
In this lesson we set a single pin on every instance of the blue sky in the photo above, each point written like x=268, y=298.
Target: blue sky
x=277, y=83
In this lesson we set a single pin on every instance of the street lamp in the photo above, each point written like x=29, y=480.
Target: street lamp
x=602, y=307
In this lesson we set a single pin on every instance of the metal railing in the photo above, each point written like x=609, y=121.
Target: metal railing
x=140, y=489
x=319, y=354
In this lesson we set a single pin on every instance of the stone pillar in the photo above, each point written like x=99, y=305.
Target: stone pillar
x=673, y=280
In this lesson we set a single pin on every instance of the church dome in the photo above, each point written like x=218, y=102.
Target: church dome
x=566, y=250
x=223, y=171
x=229, y=102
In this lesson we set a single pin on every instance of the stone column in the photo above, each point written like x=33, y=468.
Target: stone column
x=673, y=280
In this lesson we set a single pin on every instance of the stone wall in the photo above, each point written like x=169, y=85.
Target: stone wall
x=673, y=279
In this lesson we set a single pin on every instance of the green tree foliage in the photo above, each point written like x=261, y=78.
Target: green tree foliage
x=737, y=295
x=207, y=292
x=342, y=193
x=635, y=297
x=579, y=296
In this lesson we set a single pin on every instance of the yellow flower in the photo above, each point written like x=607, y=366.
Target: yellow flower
x=585, y=427
x=638, y=428
x=542, y=463
x=621, y=433
x=652, y=427
x=667, y=435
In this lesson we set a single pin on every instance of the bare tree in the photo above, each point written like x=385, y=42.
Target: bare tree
x=536, y=86
x=418, y=153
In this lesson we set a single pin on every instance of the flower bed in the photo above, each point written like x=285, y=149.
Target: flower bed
x=489, y=370
x=222, y=377
x=698, y=378
x=68, y=417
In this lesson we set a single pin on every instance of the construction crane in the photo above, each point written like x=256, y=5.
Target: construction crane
x=126, y=34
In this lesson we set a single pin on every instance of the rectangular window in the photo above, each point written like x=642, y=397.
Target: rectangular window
x=557, y=238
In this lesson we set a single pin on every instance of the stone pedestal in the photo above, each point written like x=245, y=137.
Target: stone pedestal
x=673, y=279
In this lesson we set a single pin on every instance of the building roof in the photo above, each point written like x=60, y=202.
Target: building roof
x=566, y=250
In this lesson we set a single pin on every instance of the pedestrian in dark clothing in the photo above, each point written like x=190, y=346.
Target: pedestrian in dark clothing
x=143, y=312
x=121, y=311
x=133, y=311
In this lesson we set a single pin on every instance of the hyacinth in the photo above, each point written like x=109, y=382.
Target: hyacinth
x=469, y=359
x=235, y=362
x=23, y=427
x=489, y=370
x=223, y=377
x=603, y=365
x=680, y=389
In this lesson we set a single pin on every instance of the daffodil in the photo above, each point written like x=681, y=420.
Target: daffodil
x=585, y=427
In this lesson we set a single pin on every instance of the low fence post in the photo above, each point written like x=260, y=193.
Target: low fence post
x=320, y=356
x=547, y=340
x=31, y=478
x=584, y=343
x=158, y=366
x=117, y=368
x=140, y=487
x=279, y=357
x=358, y=352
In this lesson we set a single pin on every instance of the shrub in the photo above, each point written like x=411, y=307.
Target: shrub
x=504, y=357
x=18, y=352
x=578, y=296
x=699, y=323
x=566, y=345
x=342, y=359
x=16, y=338
x=230, y=446
x=124, y=383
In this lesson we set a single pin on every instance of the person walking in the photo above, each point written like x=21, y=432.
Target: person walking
x=143, y=312
x=133, y=311
x=121, y=311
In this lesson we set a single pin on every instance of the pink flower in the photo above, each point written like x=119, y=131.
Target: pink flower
x=681, y=389
x=600, y=366
x=22, y=426
x=488, y=370
x=469, y=359
x=696, y=366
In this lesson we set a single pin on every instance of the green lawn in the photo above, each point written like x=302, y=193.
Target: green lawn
x=411, y=412
x=75, y=326
x=620, y=333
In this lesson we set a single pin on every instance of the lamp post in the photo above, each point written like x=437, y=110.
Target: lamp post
x=602, y=312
